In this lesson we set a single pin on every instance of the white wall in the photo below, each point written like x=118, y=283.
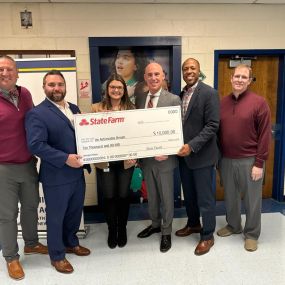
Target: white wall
x=203, y=28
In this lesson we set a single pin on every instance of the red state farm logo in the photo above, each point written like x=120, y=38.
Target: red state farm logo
x=84, y=122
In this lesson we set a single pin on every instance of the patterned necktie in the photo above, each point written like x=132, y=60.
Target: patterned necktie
x=14, y=96
x=150, y=103
x=185, y=101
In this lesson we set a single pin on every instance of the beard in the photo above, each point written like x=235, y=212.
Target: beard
x=56, y=96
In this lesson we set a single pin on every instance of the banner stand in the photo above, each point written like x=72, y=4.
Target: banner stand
x=82, y=234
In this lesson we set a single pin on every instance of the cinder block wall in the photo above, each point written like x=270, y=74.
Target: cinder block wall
x=203, y=28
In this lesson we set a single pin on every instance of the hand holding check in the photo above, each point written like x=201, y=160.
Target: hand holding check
x=184, y=150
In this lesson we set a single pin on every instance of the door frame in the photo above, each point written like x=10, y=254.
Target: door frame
x=279, y=152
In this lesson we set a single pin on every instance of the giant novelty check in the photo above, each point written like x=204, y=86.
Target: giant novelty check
x=121, y=135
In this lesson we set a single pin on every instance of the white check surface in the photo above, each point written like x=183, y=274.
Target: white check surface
x=120, y=135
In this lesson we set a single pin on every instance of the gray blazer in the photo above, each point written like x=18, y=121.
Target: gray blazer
x=165, y=99
x=201, y=125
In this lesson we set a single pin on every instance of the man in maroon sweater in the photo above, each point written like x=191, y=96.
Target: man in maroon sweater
x=245, y=131
x=18, y=173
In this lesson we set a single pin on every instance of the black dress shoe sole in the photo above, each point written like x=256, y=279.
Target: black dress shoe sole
x=165, y=249
x=165, y=243
x=149, y=233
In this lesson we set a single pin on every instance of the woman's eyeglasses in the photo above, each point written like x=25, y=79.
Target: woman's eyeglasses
x=119, y=88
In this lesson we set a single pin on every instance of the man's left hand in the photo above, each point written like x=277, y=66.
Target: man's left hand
x=73, y=160
x=256, y=173
x=184, y=150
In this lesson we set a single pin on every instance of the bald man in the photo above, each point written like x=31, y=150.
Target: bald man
x=158, y=171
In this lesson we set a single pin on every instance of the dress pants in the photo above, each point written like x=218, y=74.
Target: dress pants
x=64, y=205
x=18, y=183
x=236, y=178
x=199, y=197
x=160, y=197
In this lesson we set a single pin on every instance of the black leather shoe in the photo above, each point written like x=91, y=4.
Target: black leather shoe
x=165, y=244
x=148, y=232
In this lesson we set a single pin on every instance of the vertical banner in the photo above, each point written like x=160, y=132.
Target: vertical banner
x=31, y=73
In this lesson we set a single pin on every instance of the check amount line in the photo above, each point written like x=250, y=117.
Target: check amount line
x=153, y=122
x=148, y=143
x=140, y=137
x=149, y=136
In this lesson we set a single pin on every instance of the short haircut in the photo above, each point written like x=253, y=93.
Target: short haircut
x=53, y=72
x=191, y=58
x=242, y=65
x=7, y=57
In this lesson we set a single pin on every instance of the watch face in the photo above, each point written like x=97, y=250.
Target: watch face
x=26, y=19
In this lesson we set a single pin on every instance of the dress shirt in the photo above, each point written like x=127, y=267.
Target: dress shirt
x=154, y=99
x=12, y=95
x=187, y=95
x=65, y=110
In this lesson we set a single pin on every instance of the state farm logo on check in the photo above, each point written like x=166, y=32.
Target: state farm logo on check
x=102, y=121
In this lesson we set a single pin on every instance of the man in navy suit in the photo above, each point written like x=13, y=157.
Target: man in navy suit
x=51, y=136
x=199, y=154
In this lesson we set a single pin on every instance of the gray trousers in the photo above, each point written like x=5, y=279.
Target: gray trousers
x=236, y=178
x=18, y=183
x=160, y=198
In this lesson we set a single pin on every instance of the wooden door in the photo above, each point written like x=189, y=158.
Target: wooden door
x=265, y=72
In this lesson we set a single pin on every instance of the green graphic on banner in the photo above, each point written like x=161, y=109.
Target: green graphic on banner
x=202, y=76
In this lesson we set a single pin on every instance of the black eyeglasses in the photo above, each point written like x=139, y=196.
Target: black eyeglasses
x=120, y=88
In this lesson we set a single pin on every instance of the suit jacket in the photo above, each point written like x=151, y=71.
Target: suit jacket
x=165, y=99
x=200, y=127
x=51, y=137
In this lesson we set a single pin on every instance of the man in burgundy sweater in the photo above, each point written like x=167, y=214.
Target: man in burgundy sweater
x=18, y=173
x=245, y=131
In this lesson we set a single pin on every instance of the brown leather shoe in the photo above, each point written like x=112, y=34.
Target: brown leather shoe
x=186, y=231
x=15, y=270
x=38, y=249
x=62, y=266
x=204, y=246
x=78, y=250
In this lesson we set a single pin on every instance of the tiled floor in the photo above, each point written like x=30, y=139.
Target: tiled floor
x=141, y=262
x=140, y=212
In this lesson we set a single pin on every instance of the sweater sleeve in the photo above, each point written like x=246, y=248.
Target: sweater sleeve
x=263, y=126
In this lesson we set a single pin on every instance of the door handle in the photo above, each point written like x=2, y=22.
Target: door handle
x=275, y=131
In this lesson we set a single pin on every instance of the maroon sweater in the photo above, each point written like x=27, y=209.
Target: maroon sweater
x=245, y=127
x=13, y=145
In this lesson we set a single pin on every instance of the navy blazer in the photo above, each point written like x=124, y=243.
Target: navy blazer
x=200, y=126
x=51, y=137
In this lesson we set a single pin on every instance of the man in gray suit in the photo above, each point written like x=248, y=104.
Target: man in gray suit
x=158, y=171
